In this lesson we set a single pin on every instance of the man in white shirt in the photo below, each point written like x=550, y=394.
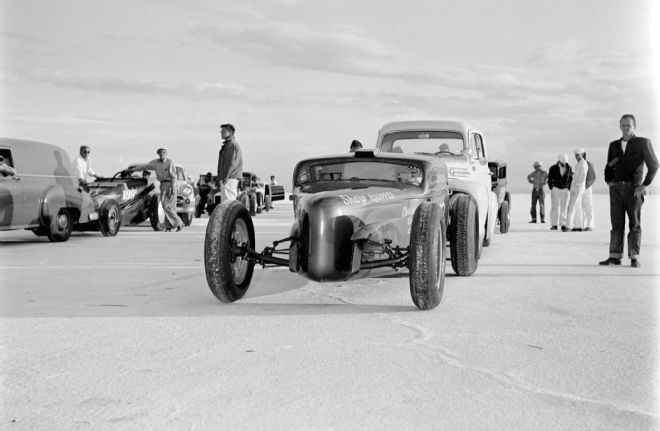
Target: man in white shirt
x=578, y=187
x=82, y=166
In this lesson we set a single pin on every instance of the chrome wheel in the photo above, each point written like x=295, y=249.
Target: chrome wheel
x=239, y=235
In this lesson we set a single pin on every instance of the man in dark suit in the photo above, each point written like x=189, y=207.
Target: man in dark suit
x=626, y=158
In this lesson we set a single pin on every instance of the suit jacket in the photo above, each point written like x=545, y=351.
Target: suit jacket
x=556, y=179
x=629, y=165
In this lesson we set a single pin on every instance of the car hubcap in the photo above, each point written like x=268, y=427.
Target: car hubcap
x=239, y=236
x=62, y=222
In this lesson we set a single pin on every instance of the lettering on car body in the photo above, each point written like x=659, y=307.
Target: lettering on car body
x=129, y=194
x=363, y=199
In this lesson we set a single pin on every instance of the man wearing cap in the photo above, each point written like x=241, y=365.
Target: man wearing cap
x=230, y=164
x=559, y=181
x=626, y=158
x=588, y=223
x=165, y=173
x=538, y=178
x=578, y=186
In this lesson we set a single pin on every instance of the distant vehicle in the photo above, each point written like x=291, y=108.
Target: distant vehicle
x=499, y=187
x=353, y=213
x=121, y=200
x=253, y=193
x=43, y=196
x=185, y=197
x=473, y=205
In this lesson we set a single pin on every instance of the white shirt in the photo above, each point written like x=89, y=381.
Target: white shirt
x=623, y=145
x=82, y=169
x=580, y=175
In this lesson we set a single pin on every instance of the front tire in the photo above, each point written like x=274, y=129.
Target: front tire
x=267, y=203
x=427, y=256
x=227, y=274
x=505, y=217
x=464, y=235
x=253, y=204
x=60, y=226
x=109, y=218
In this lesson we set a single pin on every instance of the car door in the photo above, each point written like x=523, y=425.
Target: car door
x=12, y=196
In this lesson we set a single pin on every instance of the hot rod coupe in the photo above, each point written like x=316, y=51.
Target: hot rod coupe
x=121, y=200
x=353, y=213
x=473, y=206
x=499, y=187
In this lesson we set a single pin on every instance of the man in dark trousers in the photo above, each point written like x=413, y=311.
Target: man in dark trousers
x=626, y=158
x=230, y=164
x=538, y=178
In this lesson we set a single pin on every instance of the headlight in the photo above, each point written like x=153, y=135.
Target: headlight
x=187, y=191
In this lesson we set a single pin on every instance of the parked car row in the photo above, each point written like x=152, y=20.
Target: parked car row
x=44, y=197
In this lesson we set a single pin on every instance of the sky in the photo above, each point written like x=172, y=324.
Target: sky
x=301, y=78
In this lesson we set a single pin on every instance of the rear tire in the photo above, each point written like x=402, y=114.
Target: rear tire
x=253, y=204
x=464, y=235
x=505, y=217
x=427, y=256
x=267, y=203
x=60, y=226
x=228, y=275
x=109, y=217
x=156, y=214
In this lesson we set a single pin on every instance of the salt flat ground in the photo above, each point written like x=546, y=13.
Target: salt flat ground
x=123, y=333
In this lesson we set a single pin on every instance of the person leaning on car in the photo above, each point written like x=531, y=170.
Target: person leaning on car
x=230, y=164
x=166, y=174
x=82, y=166
x=624, y=171
x=5, y=169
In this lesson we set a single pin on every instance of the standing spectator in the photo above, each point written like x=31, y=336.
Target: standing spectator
x=578, y=186
x=166, y=174
x=588, y=223
x=82, y=166
x=559, y=181
x=626, y=158
x=355, y=145
x=273, y=181
x=230, y=164
x=5, y=169
x=538, y=178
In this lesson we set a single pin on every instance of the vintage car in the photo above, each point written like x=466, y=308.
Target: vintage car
x=499, y=187
x=473, y=205
x=252, y=192
x=43, y=195
x=353, y=213
x=185, y=197
x=121, y=200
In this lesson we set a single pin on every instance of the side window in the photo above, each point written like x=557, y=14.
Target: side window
x=481, y=153
x=474, y=152
x=6, y=158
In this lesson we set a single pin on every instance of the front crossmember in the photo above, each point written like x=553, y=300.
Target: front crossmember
x=267, y=256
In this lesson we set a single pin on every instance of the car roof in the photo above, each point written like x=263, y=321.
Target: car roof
x=442, y=124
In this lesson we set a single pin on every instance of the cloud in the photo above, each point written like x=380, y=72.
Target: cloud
x=115, y=85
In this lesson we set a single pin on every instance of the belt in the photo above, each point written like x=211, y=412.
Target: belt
x=621, y=183
x=165, y=181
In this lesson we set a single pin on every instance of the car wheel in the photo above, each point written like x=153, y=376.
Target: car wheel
x=253, y=204
x=244, y=200
x=227, y=273
x=464, y=235
x=427, y=256
x=60, y=226
x=156, y=214
x=267, y=203
x=186, y=218
x=505, y=217
x=109, y=218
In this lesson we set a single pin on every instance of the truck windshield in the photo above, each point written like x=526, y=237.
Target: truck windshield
x=423, y=142
x=360, y=174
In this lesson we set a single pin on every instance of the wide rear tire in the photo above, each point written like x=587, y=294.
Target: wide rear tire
x=464, y=235
x=427, y=256
x=253, y=204
x=228, y=275
x=156, y=214
x=505, y=217
x=109, y=217
x=268, y=203
x=60, y=226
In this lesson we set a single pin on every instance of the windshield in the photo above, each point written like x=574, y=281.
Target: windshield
x=359, y=174
x=180, y=174
x=426, y=142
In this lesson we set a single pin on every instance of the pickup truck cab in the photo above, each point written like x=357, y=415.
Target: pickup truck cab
x=43, y=195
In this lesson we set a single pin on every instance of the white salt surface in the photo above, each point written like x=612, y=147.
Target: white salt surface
x=123, y=333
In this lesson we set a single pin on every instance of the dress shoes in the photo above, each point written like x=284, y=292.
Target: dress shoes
x=635, y=263
x=610, y=261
